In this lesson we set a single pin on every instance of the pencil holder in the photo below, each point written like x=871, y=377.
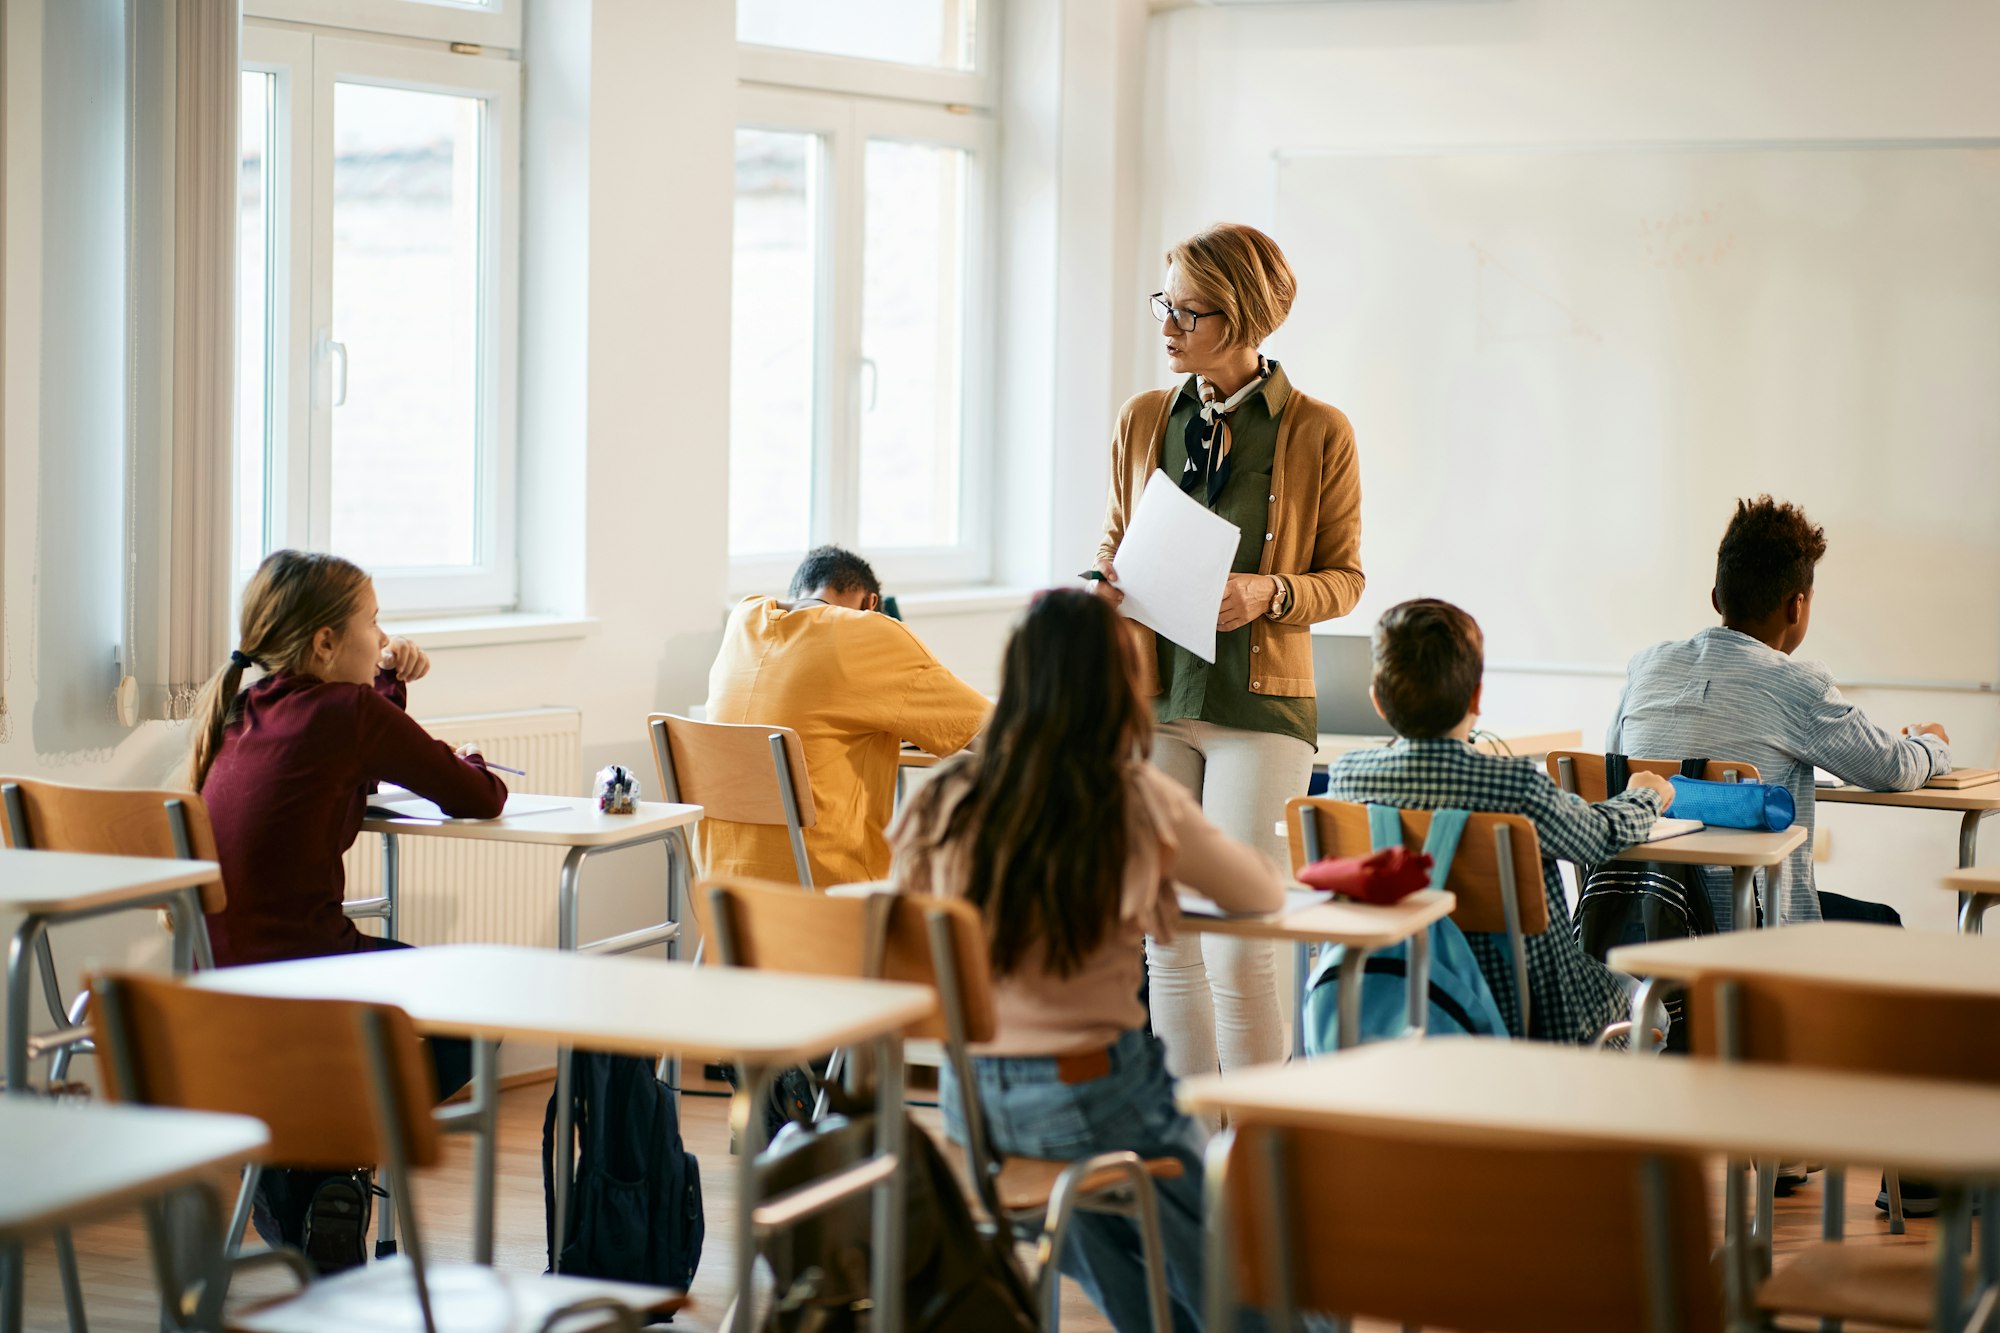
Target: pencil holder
x=617, y=790
x=1746, y=805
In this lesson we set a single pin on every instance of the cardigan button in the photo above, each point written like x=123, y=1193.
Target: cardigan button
x=1272, y=498
x=1256, y=647
x=1256, y=684
x=1267, y=536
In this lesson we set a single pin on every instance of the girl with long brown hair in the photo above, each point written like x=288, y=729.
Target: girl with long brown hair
x=1071, y=845
x=285, y=767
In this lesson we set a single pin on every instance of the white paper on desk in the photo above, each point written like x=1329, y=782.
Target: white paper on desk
x=403, y=805
x=1173, y=565
x=1296, y=900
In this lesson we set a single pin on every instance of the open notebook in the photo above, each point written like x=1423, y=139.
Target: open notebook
x=1673, y=828
x=395, y=803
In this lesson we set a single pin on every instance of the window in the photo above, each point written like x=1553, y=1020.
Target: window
x=908, y=32
x=858, y=407
x=376, y=349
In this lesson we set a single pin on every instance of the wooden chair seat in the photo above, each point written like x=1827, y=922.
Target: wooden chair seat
x=466, y=1298
x=1872, y=1284
x=1026, y=1183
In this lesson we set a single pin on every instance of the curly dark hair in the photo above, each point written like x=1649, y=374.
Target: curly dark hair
x=1429, y=656
x=835, y=569
x=1766, y=556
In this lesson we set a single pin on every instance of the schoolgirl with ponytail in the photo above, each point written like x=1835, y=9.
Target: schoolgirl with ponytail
x=285, y=765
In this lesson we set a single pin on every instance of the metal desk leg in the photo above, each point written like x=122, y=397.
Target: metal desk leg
x=1418, y=1002
x=887, y=1277
x=485, y=1145
x=746, y=1118
x=391, y=886
x=1972, y=912
x=1639, y=1040
x=1971, y=908
x=1743, y=881
x=20, y=967
x=1302, y=960
x=1348, y=1034
x=568, y=906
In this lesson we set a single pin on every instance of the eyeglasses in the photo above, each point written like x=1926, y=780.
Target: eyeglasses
x=1183, y=319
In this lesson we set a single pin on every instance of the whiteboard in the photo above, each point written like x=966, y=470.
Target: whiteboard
x=1563, y=366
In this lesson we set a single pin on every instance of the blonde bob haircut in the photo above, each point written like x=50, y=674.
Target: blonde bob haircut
x=1244, y=274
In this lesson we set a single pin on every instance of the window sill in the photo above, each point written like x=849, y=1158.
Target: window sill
x=980, y=599
x=434, y=632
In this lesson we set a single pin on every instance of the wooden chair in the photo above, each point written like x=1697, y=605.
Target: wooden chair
x=941, y=943
x=1582, y=774
x=1857, y=1029
x=337, y=1083
x=739, y=774
x=1427, y=1232
x=51, y=816
x=1497, y=855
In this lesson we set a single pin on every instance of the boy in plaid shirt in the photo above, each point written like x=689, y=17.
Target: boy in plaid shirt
x=1429, y=659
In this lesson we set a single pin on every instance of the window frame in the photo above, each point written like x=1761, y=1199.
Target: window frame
x=844, y=126
x=858, y=76
x=299, y=462
x=495, y=23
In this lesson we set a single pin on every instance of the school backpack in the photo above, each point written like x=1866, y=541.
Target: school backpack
x=1461, y=1002
x=635, y=1214
x=957, y=1276
x=1638, y=902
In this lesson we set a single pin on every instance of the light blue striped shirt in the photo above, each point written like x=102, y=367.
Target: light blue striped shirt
x=1725, y=695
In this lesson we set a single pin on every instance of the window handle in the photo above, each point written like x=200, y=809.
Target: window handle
x=336, y=387
x=874, y=377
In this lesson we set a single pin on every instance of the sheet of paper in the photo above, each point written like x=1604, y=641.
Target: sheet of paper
x=1673, y=828
x=398, y=804
x=1173, y=565
x=1297, y=899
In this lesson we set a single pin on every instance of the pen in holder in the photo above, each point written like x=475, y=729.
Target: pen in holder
x=617, y=790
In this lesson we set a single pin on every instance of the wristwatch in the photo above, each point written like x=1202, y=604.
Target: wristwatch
x=1281, y=601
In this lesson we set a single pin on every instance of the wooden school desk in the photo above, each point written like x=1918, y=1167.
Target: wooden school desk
x=1743, y=852
x=557, y=821
x=1850, y=953
x=1978, y=888
x=1310, y=918
x=51, y=887
x=763, y=1021
x=1543, y=1095
x=68, y=1164
x=1971, y=804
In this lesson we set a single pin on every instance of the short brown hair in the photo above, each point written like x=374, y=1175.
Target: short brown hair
x=1766, y=556
x=1244, y=274
x=1429, y=656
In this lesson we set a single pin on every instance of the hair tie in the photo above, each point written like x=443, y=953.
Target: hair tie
x=241, y=660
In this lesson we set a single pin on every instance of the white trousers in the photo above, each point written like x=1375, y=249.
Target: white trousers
x=1215, y=997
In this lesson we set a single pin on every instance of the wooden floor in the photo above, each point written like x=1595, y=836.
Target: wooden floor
x=119, y=1287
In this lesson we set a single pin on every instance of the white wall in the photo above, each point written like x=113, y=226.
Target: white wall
x=1230, y=87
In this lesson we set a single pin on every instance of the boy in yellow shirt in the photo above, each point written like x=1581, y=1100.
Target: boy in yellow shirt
x=855, y=685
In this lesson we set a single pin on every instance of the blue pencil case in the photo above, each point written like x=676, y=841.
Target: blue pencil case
x=1748, y=805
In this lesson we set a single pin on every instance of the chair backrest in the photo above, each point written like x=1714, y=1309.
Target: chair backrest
x=729, y=769
x=1583, y=773
x=1846, y=1028
x=1341, y=829
x=303, y=1067
x=1425, y=1232
x=755, y=923
x=110, y=821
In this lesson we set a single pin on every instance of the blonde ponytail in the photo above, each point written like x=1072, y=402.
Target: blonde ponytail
x=292, y=596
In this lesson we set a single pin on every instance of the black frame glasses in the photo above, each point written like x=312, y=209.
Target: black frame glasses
x=1184, y=320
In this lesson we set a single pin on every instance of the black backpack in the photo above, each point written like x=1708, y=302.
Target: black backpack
x=958, y=1277
x=1638, y=902
x=635, y=1214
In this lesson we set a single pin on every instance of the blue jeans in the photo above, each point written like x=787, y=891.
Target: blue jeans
x=1030, y=1112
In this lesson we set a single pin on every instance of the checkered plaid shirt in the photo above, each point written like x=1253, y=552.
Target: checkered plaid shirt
x=1573, y=996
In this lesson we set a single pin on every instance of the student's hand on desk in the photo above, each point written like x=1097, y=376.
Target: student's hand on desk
x=408, y=661
x=1244, y=598
x=1653, y=782
x=1107, y=587
x=1927, y=729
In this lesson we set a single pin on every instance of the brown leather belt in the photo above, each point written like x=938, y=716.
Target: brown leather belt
x=1083, y=1066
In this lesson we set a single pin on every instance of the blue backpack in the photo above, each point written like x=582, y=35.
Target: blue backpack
x=1461, y=1003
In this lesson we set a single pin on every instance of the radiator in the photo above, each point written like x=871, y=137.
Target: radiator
x=459, y=890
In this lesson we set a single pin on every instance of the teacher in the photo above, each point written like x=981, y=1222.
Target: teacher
x=1240, y=734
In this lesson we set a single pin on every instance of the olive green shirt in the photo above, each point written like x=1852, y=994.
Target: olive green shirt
x=1190, y=687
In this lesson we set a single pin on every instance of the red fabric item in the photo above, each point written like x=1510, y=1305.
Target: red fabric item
x=1383, y=877
x=286, y=793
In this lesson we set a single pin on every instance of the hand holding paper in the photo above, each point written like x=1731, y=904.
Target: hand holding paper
x=1173, y=565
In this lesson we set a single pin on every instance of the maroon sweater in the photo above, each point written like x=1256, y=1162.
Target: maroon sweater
x=286, y=795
